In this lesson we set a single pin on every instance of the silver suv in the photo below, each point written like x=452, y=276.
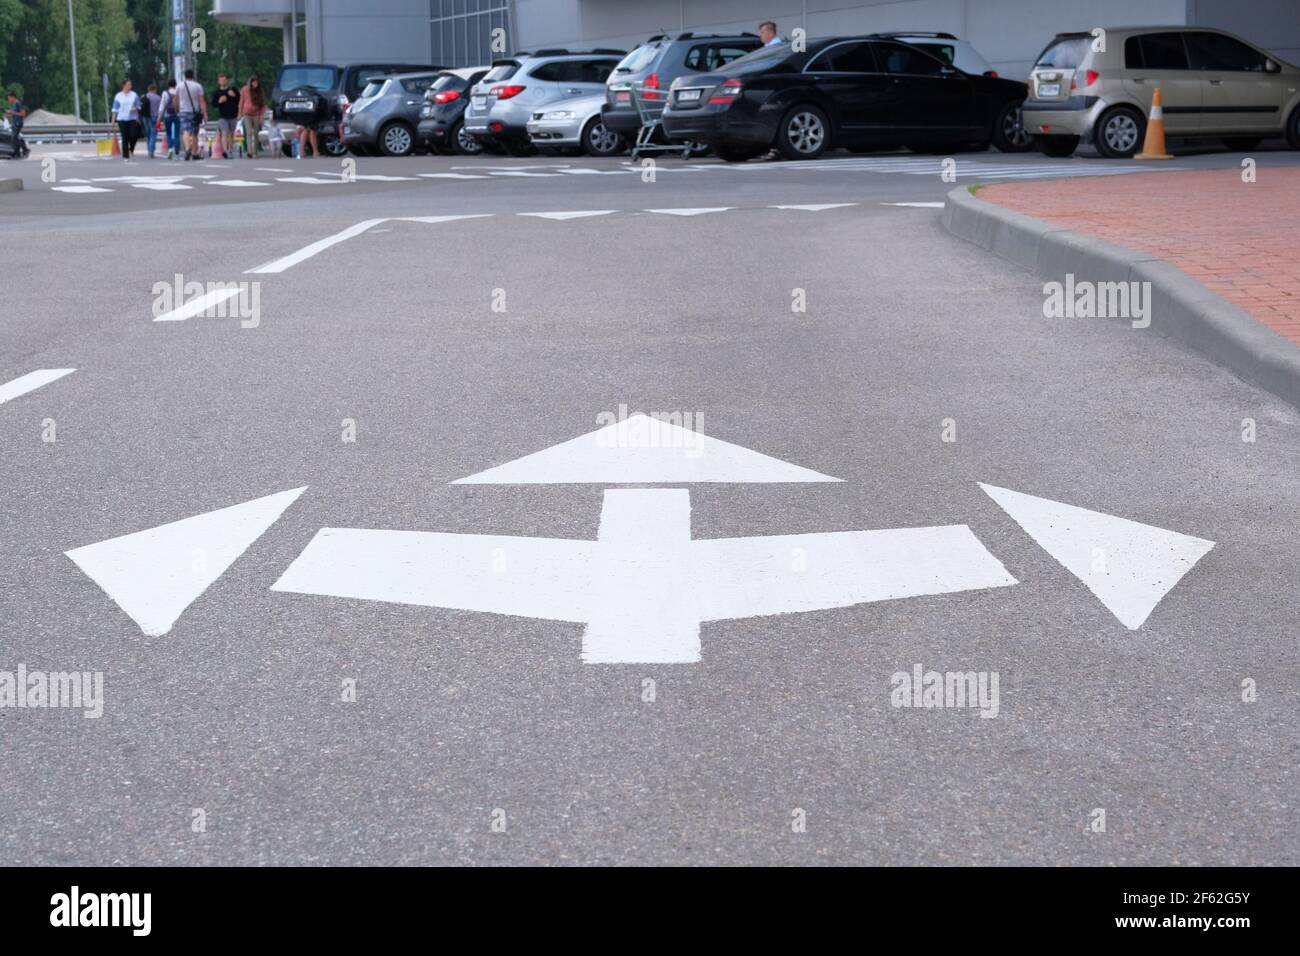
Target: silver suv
x=502, y=103
x=1097, y=87
x=384, y=117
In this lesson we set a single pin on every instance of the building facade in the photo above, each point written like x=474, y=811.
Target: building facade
x=1009, y=33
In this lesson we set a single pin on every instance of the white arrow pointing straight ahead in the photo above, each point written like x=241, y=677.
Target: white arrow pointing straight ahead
x=643, y=586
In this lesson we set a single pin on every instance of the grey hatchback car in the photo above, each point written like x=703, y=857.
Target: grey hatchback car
x=651, y=68
x=384, y=118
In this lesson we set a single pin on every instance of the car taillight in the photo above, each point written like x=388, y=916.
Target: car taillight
x=727, y=92
x=446, y=97
x=1089, y=77
x=992, y=73
x=505, y=92
x=650, y=88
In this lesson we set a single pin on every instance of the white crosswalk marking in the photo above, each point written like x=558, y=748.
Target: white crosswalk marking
x=237, y=182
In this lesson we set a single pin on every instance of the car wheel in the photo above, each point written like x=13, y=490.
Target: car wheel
x=736, y=154
x=1119, y=132
x=395, y=139
x=460, y=142
x=333, y=145
x=1293, y=129
x=1241, y=143
x=804, y=133
x=1009, y=133
x=1058, y=147
x=599, y=140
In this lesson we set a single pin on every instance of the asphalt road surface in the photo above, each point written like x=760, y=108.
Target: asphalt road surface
x=409, y=354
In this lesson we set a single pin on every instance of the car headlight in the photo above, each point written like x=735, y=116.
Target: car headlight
x=558, y=114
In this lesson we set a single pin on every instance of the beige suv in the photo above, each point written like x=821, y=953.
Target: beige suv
x=1097, y=86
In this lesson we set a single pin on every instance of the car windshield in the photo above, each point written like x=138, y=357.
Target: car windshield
x=639, y=59
x=761, y=59
x=1066, y=53
x=317, y=77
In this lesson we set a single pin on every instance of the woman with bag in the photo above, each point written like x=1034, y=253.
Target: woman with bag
x=171, y=117
x=252, y=104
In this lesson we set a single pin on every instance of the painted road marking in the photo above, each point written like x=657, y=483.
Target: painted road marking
x=272, y=169
x=563, y=216
x=160, y=187
x=154, y=575
x=643, y=587
x=237, y=182
x=691, y=212
x=320, y=245
x=641, y=449
x=1129, y=566
x=308, y=180
x=530, y=175
x=31, y=381
x=199, y=305
x=437, y=219
x=80, y=189
x=818, y=207
x=450, y=176
x=915, y=205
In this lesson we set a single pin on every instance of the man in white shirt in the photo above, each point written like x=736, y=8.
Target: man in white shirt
x=767, y=33
x=194, y=112
x=126, y=114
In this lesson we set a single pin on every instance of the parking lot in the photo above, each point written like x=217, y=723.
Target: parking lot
x=421, y=322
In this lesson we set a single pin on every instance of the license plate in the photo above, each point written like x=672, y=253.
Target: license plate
x=686, y=96
x=299, y=105
x=623, y=97
x=479, y=102
x=1049, y=89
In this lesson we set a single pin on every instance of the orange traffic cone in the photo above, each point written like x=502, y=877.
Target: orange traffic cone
x=117, y=147
x=1153, y=147
x=216, y=147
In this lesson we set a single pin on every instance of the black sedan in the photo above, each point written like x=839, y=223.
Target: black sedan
x=441, y=125
x=855, y=92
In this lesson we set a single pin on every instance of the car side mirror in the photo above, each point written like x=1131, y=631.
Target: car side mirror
x=949, y=71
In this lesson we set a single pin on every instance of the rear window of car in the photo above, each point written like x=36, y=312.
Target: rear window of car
x=1214, y=51
x=416, y=84
x=710, y=57
x=1065, y=53
x=373, y=87
x=500, y=72
x=640, y=58
x=897, y=58
x=764, y=58
x=448, y=81
x=944, y=51
x=317, y=77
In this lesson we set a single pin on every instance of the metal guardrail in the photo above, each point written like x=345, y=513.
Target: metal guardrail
x=76, y=133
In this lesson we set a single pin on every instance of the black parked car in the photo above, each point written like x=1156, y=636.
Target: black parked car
x=316, y=94
x=854, y=92
x=442, y=117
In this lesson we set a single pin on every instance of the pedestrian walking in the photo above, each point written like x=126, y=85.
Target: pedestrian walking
x=171, y=118
x=252, y=104
x=126, y=114
x=225, y=99
x=151, y=106
x=193, y=108
x=15, y=113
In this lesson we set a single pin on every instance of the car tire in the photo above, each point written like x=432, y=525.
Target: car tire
x=396, y=139
x=804, y=133
x=1058, y=147
x=737, y=154
x=1119, y=132
x=1293, y=129
x=1239, y=144
x=460, y=143
x=333, y=146
x=1009, y=133
x=599, y=140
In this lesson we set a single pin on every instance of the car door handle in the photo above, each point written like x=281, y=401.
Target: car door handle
x=574, y=91
x=1216, y=82
x=1139, y=79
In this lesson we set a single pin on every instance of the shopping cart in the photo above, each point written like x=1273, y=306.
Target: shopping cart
x=651, y=111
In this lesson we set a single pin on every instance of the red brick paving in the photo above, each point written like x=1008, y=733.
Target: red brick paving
x=1240, y=239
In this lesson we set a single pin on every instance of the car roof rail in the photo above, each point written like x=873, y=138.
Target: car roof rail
x=917, y=33
x=511, y=60
x=608, y=49
x=553, y=51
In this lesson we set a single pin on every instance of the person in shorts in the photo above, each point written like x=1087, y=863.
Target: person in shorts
x=194, y=113
x=225, y=98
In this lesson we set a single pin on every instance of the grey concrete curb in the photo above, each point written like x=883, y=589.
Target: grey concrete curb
x=10, y=185
x=1181, y=308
